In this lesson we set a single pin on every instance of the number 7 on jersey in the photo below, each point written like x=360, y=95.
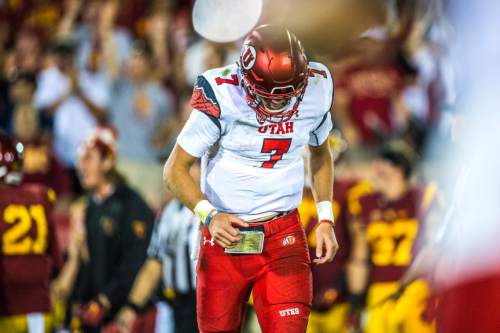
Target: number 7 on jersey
x=277, y=148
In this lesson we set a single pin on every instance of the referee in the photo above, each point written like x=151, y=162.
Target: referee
x=118, y=226
x=174, y=238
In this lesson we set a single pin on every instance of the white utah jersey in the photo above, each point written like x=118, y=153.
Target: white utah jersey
x=251, y=169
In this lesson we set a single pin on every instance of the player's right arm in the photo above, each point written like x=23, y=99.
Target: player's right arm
x=178, y=179
x=202, y=130
x=357, y=270
x=357, y=266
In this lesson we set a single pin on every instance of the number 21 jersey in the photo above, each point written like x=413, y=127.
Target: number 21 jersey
x=251, y=168
x=30, y=255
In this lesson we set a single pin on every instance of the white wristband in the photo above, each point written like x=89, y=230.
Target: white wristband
x=203, y=209
x=325, y=210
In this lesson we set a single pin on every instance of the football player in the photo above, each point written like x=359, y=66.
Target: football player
x=387, y=226
x=29, y=254
x=249, y=125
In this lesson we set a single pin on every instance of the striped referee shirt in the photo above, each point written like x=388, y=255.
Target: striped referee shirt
x=174, y=237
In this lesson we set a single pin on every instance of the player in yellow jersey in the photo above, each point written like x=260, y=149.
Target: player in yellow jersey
x=387, y=227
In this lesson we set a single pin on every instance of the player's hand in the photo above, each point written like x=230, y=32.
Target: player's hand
x=125, y=319
x=325, y=238
x=224, y=231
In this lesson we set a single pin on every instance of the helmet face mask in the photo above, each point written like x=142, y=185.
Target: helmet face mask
x=275, y=105
x=274, y=70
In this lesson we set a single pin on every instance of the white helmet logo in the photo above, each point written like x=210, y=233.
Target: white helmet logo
x=248, y=58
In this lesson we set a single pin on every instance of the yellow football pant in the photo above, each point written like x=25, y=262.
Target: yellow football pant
x=21, y=323
x=397, y=316
x=332, y=321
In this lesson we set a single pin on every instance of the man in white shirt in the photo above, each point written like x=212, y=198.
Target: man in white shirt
x=78, y=100
x=249, y=125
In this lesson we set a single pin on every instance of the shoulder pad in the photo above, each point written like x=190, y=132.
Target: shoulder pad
x=213, y=89
x=40, y=191
x=203, y=98
x=321, y=77
x=354, y=195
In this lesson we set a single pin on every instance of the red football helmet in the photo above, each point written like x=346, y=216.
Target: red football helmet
x=11, y=160
x=274, y=68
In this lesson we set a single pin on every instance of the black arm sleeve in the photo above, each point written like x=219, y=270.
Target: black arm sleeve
x=135, y=234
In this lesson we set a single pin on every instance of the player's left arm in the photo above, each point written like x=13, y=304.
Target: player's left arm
x=321, y=169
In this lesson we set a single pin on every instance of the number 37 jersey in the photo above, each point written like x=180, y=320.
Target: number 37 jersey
x=395, y=229
x=251, y=168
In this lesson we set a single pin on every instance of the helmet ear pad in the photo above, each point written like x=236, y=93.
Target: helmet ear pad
x=274, y=66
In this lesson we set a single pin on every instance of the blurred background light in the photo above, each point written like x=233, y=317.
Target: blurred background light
x=225, y=20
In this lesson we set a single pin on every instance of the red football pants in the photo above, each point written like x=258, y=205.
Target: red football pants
x=280, y=278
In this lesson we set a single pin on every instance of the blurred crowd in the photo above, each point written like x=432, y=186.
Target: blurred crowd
x=71, y=67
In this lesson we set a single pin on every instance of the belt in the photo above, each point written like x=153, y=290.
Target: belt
x=276, y=224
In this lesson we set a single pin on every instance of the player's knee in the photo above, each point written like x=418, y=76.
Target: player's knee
x=212, y=325
x=217, y=317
